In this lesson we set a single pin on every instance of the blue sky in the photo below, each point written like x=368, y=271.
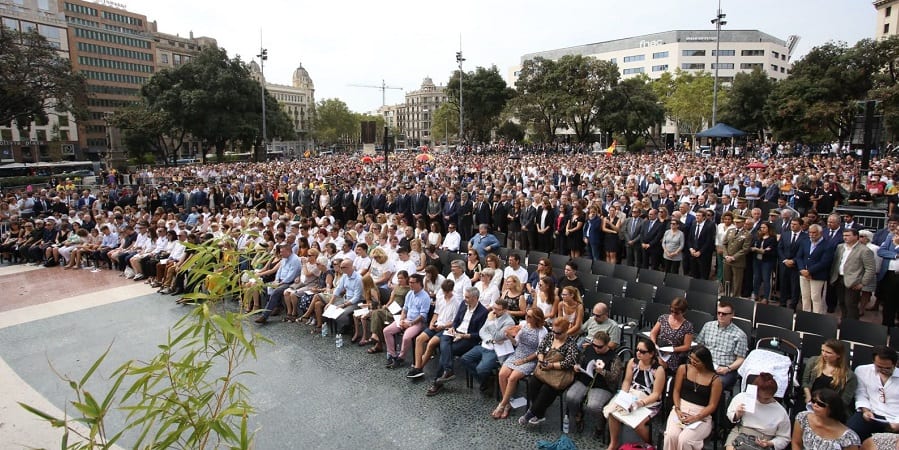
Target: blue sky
x=354, y=42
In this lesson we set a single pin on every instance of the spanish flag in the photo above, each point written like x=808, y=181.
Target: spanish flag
x=611, y=149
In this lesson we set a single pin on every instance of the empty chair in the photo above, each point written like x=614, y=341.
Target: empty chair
x=811, y=345
x=463, y=246
x=589, y=280
x=626, y=273
x=651, y=314
x=558, y=261
x=820, y=324
x=743, y=308
x=667, y=294
x=650, y=276
x=584, y=264
x=628, y=311
x=677, y=281
x=591, y=298
x=707, y=286
x=501, y=237
x=861, y=354
x=698, y=318
x=641, y=291
x=612, y=286
x=603, y=268
x=702, y=301
x=534, y=256
x=764, y=331
x=867, y=333
x=558, y=274
x=774, y=315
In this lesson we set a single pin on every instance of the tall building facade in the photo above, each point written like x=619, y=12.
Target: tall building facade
x=115, y=51
x=298, y=101
x=173, y=50
x=414, y=117
x=887, y=18
x=56, y=138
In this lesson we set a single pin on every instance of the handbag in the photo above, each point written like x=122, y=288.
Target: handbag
x=745, y=441
x=556, y=379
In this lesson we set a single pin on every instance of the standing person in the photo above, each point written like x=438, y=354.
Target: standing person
x=877, y=395
x=653, y=230
x=888, y=277
x=697, y=390
x=673, y=246
x=412, y=320
x=644, y=377
x=633, y=238
x=574, y=232
x=787, y=249
x=736, y=245
x=610, y=227
x=593, y=234
x=763, y=252
x=557, y=352
x=813, y=262
x=545, y=219
x=701, y=245
x=852, y=270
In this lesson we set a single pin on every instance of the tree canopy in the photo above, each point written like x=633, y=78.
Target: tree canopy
x=34, y=79
x=485, y=94
x=334, y=122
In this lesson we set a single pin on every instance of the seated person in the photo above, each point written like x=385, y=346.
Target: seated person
x=590, y=394
x=727, y=342
x=426, y=343
x=410, y=323
x=644, y=377
x=697, y=391
x=767, y=427
x=460, y=338
x=673, y=330
x=822, y=427
x=877, y=395
x=382, y=317
x=370, y=300
x=600, y=322
x=523, y=361
x=483, y=359
x=830, y=370
x=557, y=352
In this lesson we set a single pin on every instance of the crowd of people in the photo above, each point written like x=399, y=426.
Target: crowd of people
x=357, y=250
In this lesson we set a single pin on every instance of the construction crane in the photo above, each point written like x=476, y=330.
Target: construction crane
x=383, y=87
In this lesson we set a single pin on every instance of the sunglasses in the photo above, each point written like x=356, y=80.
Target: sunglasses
x=642, y=352
x=675, y=311
x=599, y=347
x=819, y=403
x=720, y=313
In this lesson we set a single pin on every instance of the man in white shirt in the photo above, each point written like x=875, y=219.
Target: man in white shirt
x=877, y=395
x=514, y=268
x=460, y=280
x=403, y=262
x=452, y=240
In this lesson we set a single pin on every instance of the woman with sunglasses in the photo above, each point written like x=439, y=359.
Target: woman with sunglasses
x=540, y=394
x=830, y=370
x=590, y=392
x=697, y=390
x=523, y=361
x=544, y=268
x=768, y=426
x=675, y=331
x=644, y=377
x=473, y=265
x=823, y=427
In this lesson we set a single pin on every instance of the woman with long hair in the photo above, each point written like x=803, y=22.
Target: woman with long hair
x=823, y=427
x=522, y=362
x=545, y=297
x=830, y=370
x=644, y=378
x=697, y=390
x=764, y=255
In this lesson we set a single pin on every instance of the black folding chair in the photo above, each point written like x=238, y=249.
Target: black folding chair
x=650, y=276
x=666, y=294
x=743, y=308
x=626, y=273
x=701, y=301
x=811, y=345
x=773, y=315
x=707, y=286
x=603, y=268
x=627, y=311
x=698, y=318
x=584, y=264
x=677, y=281
x=651, y=314
x=867, y=333
x=746, y=327
x=612, y=286
x=815, y=323
x=534, y=256
x=861, y=354
x=558, y=261
x=641, y=291
x=589, y=280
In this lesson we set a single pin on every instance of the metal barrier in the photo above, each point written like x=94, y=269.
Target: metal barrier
x=869, y=218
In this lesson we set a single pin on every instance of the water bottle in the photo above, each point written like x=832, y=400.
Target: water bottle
x=324, y=331
x=565, y=424
x=339, y=340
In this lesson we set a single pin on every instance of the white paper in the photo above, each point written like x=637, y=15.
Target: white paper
x=394, y=308
x=518, y=402
x=396, y=317
x=332, y=312
x=360, y=312
x=503, y=348
x=590, y=370
x=633, y=418
x=667, y=349
x=749, y=397
x=449, y=332
x=625, y=400
x=886, y=419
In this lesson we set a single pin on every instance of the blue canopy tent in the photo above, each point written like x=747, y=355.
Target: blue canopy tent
x=721, y=130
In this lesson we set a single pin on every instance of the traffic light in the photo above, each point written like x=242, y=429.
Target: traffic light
x=264, y=54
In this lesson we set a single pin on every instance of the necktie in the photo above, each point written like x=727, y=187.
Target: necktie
x=832, y=233
x=793, y=241
x=633, y=226
x=698, y=227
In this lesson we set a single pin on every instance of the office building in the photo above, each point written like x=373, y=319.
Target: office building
x=414, y=117
x=298, y=101
x=887, y=18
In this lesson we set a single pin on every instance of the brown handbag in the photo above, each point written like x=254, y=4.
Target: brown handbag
x=558, y=379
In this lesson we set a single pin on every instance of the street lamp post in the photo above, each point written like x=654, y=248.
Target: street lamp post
x=719, y=22
x=460, y=60
x=263, y=56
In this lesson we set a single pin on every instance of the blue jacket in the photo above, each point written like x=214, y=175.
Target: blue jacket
x=480, y=243
x=478, y=318
x=817, y=262
x=888, y=252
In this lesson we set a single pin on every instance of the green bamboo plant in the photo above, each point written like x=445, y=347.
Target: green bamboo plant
x=189, y=395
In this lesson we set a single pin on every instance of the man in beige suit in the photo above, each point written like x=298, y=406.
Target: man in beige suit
x=852, y=270
x=736, y=245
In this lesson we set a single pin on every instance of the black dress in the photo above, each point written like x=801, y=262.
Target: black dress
x=576, y=238
x=610, y=240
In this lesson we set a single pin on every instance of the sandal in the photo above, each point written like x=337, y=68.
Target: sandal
x=497, y=412
x=506, y=412
x=374, y=350
x=364, y=342
x=355, y=339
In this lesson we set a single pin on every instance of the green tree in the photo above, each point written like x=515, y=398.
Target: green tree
x=540, y=101
x=334, y=122
x=586, y=82
x=149, y=130
x=746, y=104
x=631, y=109
x=688, y=99
x=511, y=131
x=485, y=94
x=35, y=79
x=444, y=122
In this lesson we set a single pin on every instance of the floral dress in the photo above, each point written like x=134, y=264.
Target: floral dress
x=671, y=337
x=811, y=440
x=528, y=339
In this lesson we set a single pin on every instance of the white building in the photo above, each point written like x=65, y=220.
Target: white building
x=887, y=18
x=298, y=101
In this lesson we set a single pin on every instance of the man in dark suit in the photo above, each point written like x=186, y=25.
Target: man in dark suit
x=500, y=214
x=884, y=233
x=450, y=211
x=527, y=219
x=653, y=230
x=403, y=208
x=813, y=261
x=460, y=338
x=833, y=236
x=633, y=238
x=419, y=205
x=787, y=250
x=482, y=213
x=466, y=216
x=379, y=201
x=700, y=243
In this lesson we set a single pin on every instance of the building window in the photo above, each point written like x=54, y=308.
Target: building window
x=659, y=55
x=634, y=58
x=165, y=58
x=776, y=55
x=724, y=53
x=750, y=66
x=176, y=59
x=774, y=67
x=692, y=53
x=888, y=11
x=723, y=66
x=693, y=66
x=63, y=121
x=632, y=71
x=886, y=28
x=43, y=5
x=660, y=68
x=42, y=135
x=64, y=135
x=614, y=60
x=752, y=53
